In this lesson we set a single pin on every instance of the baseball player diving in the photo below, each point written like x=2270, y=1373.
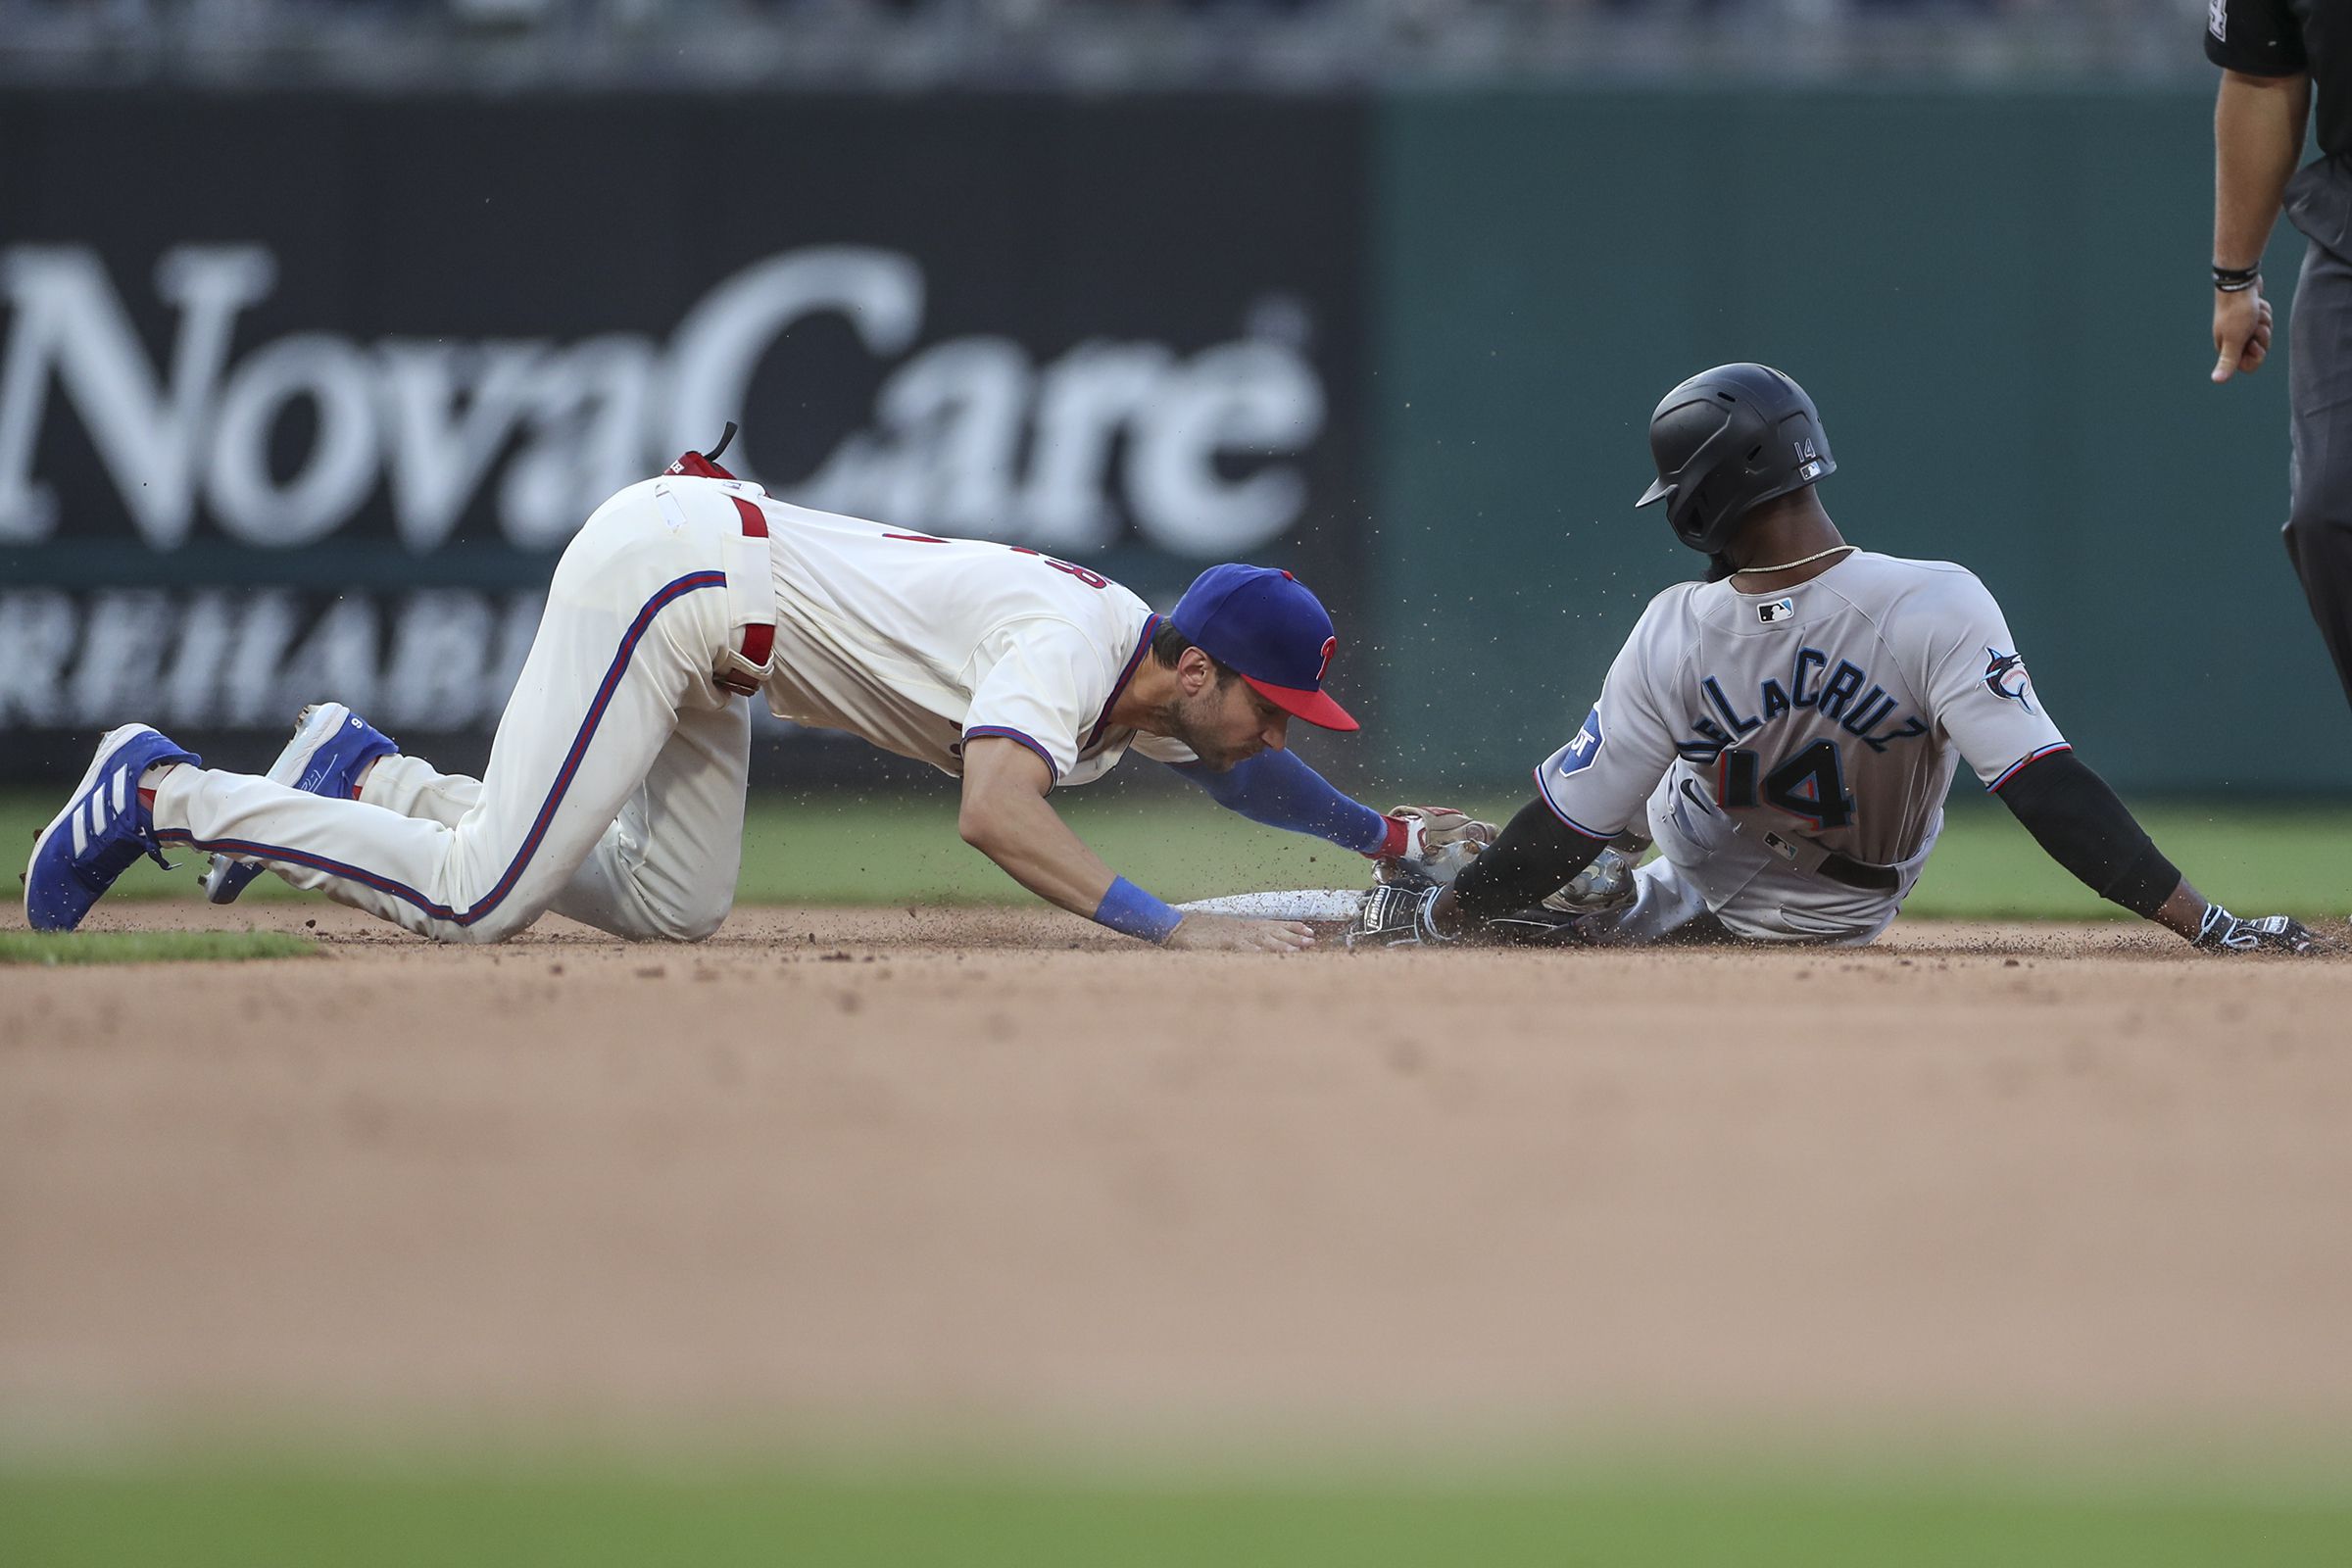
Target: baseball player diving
x=614, y=790
x=1787, y=730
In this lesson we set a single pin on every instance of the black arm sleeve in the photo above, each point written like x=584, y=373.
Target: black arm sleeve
x=2078, y=820
x=1536, y=855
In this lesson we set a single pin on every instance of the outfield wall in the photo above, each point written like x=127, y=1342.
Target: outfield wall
x=1998, y=300
x=299, y=393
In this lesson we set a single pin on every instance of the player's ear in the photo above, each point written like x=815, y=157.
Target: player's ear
x=1195, y=670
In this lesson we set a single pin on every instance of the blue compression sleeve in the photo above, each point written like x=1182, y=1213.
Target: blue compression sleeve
x=1279, y=790
x=1128, y=908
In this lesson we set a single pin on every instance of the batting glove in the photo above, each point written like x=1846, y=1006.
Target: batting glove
x=1608, y=883
x=2224, y=932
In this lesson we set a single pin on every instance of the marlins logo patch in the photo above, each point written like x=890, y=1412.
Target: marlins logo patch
x=2005, y=677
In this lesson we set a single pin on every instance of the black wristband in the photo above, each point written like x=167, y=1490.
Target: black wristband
x=2235, y=280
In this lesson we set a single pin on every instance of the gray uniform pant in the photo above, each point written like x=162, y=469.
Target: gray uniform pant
x=1711, y=882
x=2319, y=381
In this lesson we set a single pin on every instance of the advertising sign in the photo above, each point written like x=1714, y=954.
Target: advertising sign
x=299, y=398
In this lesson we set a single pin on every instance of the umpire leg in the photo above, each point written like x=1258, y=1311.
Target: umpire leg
x=2318, y=379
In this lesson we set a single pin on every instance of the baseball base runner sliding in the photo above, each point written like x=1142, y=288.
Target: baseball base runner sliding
x=614, y=791
x=1786, y=732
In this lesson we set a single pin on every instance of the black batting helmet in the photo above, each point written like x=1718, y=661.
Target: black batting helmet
x=1726, y=439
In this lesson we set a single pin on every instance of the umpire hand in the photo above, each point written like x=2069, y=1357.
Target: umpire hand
x=2241, y=331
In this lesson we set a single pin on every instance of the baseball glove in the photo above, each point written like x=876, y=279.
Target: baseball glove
x=1437, y=843
x=1396, y=914
x=1543, y=926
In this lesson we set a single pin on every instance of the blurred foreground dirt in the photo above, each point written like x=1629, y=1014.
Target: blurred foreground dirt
x=849, y=1170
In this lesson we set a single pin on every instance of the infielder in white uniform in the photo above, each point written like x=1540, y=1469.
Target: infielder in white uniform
x=614, y=791
x=1786, y=731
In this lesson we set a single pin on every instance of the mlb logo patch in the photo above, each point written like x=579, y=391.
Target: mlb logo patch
x=1777, y=610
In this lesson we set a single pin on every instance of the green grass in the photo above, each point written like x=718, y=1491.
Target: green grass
x=149, y=947
x=853, y=849
x=2256, y=860
x=310, y=1515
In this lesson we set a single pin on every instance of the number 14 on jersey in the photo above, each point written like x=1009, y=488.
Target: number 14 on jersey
x=1809, y=786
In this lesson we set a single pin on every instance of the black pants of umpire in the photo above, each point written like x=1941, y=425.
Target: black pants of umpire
x=2318, y=379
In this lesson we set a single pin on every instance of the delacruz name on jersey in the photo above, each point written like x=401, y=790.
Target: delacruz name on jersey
x=1839, y=707
x=919, y=644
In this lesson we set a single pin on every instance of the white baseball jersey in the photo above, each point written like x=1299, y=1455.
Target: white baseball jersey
x=1830, y=716
x=615, y=786
x=920, y=644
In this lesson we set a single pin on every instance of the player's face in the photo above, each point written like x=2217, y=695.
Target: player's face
x=1227, y=722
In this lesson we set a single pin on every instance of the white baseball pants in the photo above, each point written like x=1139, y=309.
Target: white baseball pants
x=616, y=785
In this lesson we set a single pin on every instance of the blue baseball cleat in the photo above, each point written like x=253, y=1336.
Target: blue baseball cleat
x=101, y=833
x=330, y=744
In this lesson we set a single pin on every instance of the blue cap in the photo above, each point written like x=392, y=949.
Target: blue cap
x=1266, y=626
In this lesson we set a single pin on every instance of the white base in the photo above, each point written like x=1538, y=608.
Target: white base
x=1301, y=903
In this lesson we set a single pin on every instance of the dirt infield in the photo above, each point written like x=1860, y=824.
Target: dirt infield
x=876, y=1167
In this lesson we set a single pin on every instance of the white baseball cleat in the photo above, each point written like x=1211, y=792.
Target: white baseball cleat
x=330, y=744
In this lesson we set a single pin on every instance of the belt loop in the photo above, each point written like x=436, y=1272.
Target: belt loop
x=751, y=601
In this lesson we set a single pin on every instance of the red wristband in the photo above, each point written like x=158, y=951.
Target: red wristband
x=1399, y=839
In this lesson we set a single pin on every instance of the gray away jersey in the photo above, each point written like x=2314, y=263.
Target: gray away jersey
x=1836, y=710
